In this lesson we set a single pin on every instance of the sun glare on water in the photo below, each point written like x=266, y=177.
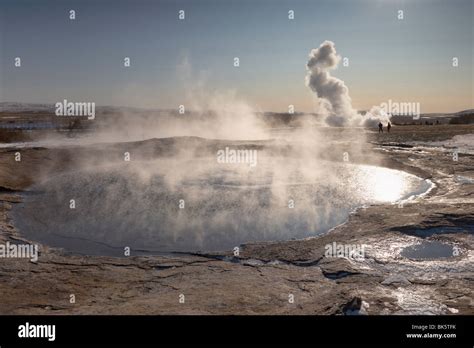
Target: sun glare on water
x=382, y=185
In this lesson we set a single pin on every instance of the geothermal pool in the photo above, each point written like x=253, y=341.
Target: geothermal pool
x=192, y=204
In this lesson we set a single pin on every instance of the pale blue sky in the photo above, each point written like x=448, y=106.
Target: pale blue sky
x=394, y=59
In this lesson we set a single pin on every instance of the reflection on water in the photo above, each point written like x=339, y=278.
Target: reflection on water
x=170, y=205
x=428, y=250
x=382, y=185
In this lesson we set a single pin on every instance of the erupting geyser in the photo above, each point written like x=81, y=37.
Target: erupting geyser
x=333, y=93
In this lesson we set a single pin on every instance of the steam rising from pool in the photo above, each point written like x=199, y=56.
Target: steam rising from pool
x=174, y=196
x=170, y=205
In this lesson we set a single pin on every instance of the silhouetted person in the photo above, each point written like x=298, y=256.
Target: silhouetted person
x=389, y=125
x=380, y=127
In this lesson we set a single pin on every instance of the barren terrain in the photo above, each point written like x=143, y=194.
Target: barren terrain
x=261, y=278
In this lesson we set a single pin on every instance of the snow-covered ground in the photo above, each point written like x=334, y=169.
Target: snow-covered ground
x=462, y=143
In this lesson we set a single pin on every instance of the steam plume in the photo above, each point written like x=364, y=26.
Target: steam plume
x=333, y=92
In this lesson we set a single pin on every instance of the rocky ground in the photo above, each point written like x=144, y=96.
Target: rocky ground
x=265, y=277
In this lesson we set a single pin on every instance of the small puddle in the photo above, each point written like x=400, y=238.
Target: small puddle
x=428, y=250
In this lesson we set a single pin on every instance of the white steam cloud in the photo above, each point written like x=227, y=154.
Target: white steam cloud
x=333, y=93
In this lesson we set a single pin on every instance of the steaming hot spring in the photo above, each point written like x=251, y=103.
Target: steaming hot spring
x=200, y=197
x=200, y=203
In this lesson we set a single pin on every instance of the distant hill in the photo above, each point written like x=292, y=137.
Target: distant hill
x=274, y=118
x=463, y=117
x=25, y=107
x=15, y=107
x=465, y=112
x=460, y=117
